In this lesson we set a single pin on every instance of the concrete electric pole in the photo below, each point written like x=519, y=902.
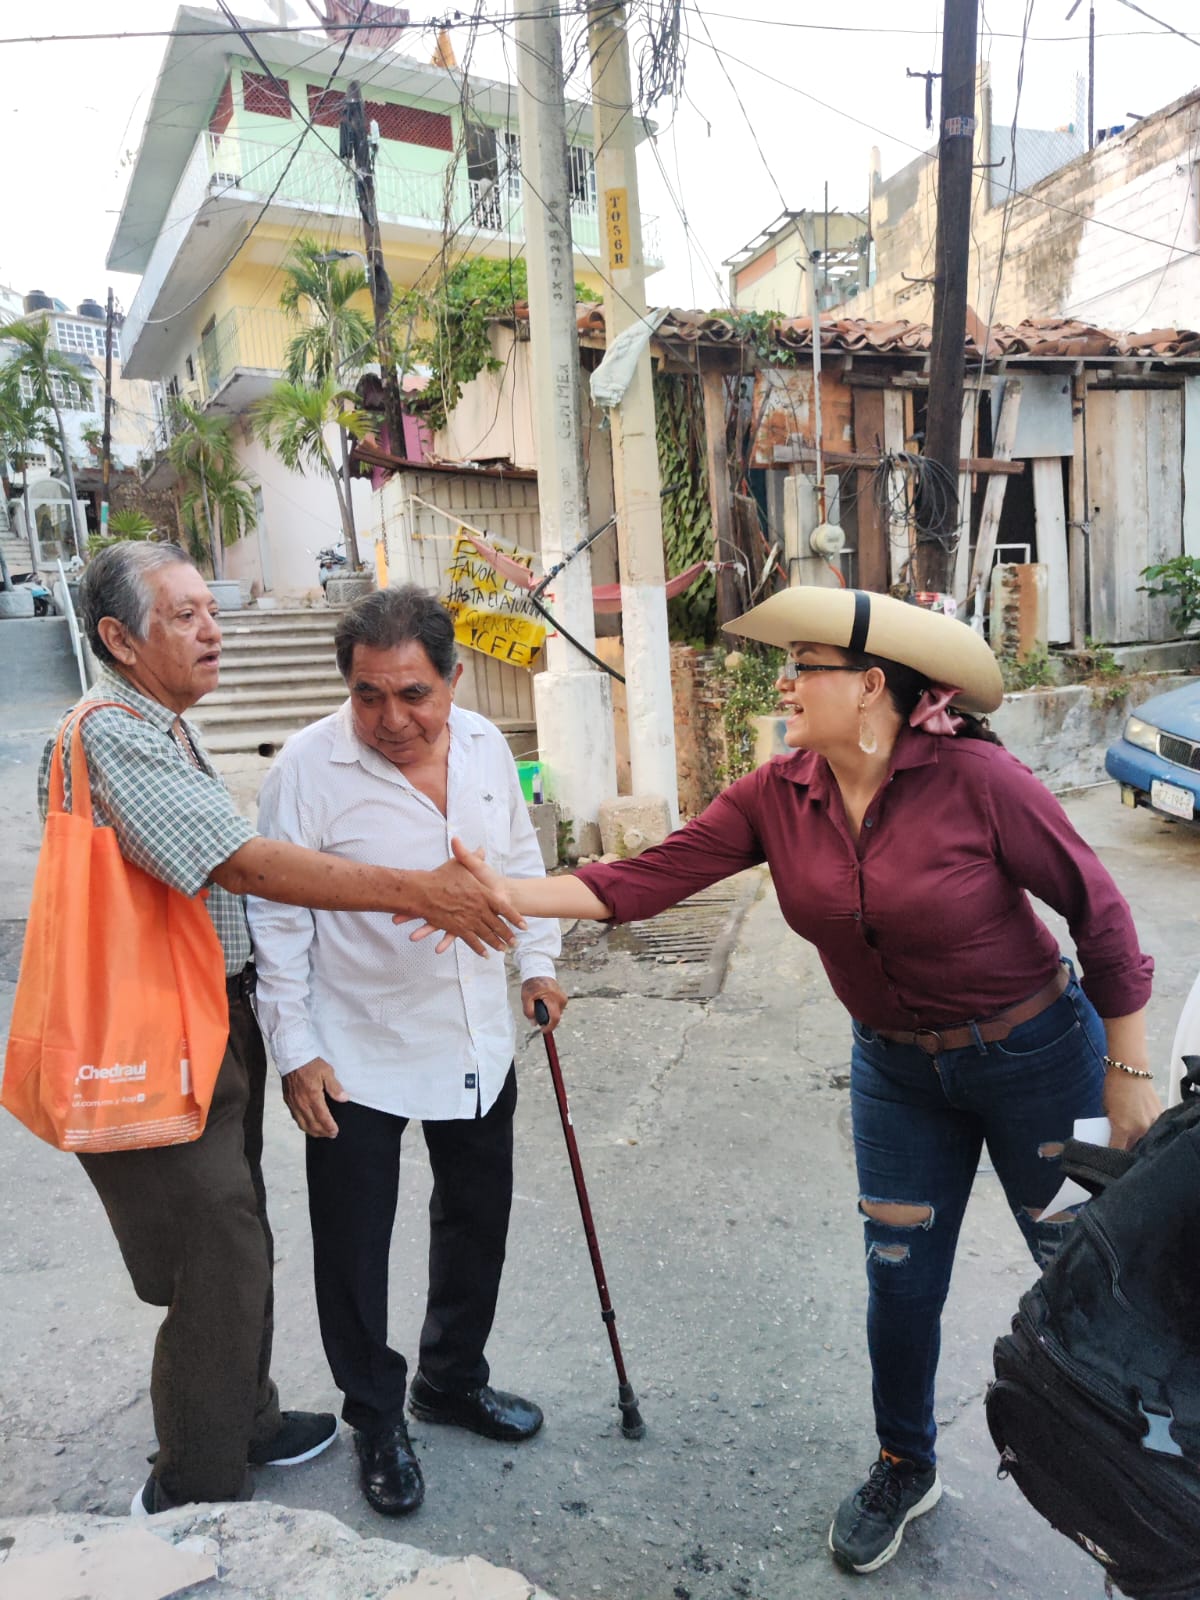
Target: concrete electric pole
x=938, y=519
x=573, y=699
x=635, y=449
x=106, y=437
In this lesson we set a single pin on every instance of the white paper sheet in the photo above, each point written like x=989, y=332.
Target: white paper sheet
x=1092, y=1130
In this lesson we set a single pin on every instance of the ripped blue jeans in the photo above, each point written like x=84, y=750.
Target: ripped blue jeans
x=920, y=1123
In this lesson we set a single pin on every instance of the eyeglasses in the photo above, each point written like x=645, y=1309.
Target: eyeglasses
x=792, y=669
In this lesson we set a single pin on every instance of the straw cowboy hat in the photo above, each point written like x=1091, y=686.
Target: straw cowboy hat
x=944, y=650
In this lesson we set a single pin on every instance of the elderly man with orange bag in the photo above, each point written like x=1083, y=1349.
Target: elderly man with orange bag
x=190, y=1218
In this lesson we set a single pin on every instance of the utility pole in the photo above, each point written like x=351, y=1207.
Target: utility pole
x=1091, y=112
x=357, y=145
x=814, y=312
x=634, y=444
x=573, y=699
x=938, y=516
x=106, y=441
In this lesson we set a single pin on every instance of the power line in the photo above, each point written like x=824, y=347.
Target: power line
x=246, y=237
x=1178, y=32
x=457, y=20
x=745, y=115
x=1037, y=199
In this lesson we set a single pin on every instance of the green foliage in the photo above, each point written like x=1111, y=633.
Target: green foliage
x=217, y=502
x=1096, y=666
x=292, y=418
x=36, y=358
x=335, y=337
x=1177, y=580
x=1033, y=671
x=449, y=329
x=22, y=422
x=757, y=329
x=128, y=523
x=746, y=683
x=564, y=837
x=686, y=513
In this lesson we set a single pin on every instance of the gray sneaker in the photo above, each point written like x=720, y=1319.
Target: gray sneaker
x=870, y=1523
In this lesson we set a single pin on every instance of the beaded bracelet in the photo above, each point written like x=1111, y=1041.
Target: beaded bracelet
x=1134, y=1072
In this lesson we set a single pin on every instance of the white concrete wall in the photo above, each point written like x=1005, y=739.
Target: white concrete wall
x=300, y=514
x=1121, y=281
x=495, y=415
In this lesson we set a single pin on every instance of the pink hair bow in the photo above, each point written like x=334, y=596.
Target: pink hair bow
x=930, y=711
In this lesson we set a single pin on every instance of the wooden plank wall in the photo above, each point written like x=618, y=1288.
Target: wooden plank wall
x=1135, y=478
x=871, y=539
x=507, y=509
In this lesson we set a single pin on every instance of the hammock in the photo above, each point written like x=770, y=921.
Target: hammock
x=606, y=597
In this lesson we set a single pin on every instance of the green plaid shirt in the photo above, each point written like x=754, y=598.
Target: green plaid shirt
x=173, y=818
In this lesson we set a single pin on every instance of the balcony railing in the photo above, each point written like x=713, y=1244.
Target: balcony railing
x=225, y=166
x=246, y=339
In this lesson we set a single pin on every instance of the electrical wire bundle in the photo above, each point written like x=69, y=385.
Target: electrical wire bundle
x=920, y=493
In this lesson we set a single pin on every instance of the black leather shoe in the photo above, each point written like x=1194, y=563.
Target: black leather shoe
x=483, y=1410
x=389, y=1471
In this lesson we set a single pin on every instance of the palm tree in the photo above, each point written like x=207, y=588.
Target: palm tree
x=37, y=360
x=293, y=420
x=334, y=342
x=335, y=337
x=22, y=424
x=217, y=502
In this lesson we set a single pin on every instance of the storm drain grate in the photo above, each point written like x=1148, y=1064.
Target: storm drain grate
x=693, y=939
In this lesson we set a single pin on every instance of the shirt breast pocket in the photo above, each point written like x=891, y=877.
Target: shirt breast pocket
x=497, y=833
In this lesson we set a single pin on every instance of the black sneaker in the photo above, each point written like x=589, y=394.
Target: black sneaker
x=869, y=1524
x=301, y=1436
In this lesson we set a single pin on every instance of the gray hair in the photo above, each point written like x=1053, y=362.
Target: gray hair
x=389, y=617
x=114, y=585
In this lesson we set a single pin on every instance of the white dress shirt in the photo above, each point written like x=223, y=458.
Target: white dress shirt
x=406, y=1030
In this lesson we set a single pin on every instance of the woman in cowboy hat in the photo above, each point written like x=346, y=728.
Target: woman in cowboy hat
x=904, y=841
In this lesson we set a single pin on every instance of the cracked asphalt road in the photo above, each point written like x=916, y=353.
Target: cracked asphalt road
x=715, y=1142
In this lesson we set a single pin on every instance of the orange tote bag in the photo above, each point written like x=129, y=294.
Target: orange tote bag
x=121, y=1018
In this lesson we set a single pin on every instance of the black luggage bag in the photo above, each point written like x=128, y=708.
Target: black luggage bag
x=1095, y=1407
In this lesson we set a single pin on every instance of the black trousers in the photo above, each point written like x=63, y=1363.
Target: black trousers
x=353, y=1185
x=191, y=1221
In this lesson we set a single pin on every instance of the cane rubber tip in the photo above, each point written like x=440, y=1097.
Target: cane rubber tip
x=633, y=1428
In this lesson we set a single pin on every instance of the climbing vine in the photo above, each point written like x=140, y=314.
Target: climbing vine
x=686, y=513
x=448, y=328
x=746, y=684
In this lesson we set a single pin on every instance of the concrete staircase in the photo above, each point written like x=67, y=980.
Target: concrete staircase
x=277, y=674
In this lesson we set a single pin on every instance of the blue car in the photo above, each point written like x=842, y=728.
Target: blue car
x=1157, y=758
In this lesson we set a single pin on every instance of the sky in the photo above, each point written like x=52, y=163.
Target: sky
x=778, y=99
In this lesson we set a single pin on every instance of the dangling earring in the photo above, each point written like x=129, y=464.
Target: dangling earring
x=868, y=740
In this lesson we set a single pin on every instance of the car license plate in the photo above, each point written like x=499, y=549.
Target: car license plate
x=1170, y=798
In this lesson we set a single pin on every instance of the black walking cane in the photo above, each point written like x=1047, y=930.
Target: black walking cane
x=632, y=1425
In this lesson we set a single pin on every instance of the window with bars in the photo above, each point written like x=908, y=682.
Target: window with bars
x=581, y=170
x=403, y=124
x=85, y=337
x=268, y=97
x=70, y=396
x=581, y=177
x=508, y=157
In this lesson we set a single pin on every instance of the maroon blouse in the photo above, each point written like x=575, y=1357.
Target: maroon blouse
x=926, y=919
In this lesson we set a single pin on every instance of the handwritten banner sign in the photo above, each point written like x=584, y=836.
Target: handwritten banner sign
x=490, y=615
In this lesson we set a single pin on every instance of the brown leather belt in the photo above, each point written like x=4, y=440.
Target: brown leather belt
x=934, y=1040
